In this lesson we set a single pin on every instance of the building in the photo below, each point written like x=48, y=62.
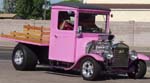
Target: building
x=7, y=16
x=126, y=10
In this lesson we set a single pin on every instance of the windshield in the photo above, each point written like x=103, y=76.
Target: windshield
x=90, y=25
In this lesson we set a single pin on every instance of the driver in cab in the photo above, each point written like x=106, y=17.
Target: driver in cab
x=65, y=22
x=87, y=21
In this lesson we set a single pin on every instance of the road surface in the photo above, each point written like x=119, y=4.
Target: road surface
x=44, y=75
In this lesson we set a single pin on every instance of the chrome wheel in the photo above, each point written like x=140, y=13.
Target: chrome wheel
x=90, y=69
x=87, y=69
x=18, y=59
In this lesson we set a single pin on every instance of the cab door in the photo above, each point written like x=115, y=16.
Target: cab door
x=62, y=41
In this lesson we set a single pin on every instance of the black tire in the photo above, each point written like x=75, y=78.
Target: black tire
x=96, y=69
x=28, y=58
x=140, y=70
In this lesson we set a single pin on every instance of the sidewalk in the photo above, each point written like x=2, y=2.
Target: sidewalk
x=148, y=72
x=4, y=48
x=4, y=44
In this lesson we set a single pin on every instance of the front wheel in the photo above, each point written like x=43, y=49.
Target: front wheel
x=139, y=70
x=90, y=69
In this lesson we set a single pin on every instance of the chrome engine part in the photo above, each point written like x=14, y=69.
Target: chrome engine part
x=104, y=48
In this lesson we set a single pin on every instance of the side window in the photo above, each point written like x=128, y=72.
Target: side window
x=66, y=20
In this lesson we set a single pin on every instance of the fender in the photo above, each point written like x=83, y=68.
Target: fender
x=95, y=56
x=143, y=57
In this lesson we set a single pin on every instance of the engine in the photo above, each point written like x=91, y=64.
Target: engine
x=104, y=48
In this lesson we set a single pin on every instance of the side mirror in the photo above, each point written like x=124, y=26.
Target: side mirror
x=79, y=31
x=110, y=32
x=111, y=15
x=111, y=37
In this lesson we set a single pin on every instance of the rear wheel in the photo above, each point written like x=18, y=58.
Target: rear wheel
x=90, y=69
x=139, y=71
x=23, y=58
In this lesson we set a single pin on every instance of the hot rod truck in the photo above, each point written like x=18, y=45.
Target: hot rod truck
x=75, y=41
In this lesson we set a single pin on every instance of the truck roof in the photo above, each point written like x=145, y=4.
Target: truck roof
x=81, y=6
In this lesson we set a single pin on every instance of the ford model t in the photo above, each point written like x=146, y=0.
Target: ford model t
x=77, y=42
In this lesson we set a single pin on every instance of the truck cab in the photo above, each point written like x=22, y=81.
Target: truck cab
x=69, y=45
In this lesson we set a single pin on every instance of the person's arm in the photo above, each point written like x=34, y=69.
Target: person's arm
x=66, y=25
x=62, y=25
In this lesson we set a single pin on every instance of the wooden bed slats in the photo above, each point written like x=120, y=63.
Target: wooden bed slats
x=29, y=27
x=31, y=34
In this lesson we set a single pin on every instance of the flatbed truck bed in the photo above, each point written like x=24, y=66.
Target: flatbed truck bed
x=31, y=35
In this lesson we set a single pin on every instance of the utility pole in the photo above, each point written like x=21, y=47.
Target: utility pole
x=82, y=1
x=45, y=9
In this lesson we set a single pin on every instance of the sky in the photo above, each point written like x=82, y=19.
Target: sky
x=1, y=4
x=55, y=1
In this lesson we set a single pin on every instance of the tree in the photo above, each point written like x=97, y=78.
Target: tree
x=33, y=9
x=37, y=11
x=30, y=9
x=9, y=6
x=24, y=8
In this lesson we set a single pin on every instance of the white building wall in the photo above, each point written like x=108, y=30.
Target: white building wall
x=121, y=14
x=118, y=1
x=131, y=15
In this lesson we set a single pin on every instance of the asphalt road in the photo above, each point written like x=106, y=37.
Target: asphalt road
x=5, y=53
x=44, y=75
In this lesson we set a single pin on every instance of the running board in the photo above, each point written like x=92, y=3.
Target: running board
x=64, y=68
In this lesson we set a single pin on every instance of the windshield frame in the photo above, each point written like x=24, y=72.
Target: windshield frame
x=98, y=12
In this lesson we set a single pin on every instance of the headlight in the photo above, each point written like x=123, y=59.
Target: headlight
x=133, y=55
x=108, y=55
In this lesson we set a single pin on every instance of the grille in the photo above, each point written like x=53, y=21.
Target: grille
x=121, y=55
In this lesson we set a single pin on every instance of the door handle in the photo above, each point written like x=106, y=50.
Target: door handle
x=55, y=36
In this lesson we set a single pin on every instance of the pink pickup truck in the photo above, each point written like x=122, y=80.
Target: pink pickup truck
x=77, y=42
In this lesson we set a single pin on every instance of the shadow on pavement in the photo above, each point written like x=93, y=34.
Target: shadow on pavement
x=77, y=74
x=59, y=72
x=118, y=77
